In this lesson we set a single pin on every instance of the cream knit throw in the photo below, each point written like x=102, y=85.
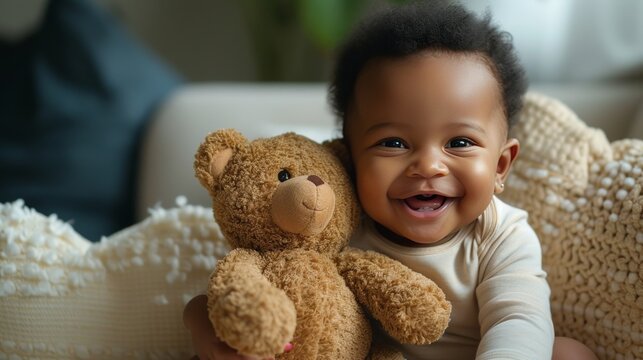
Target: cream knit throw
x=62, y=297
x=584, y=200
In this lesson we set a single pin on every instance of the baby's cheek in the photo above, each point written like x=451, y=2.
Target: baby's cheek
x=361, y=174
x=482, y=170
x=368, y=198
x=370, y=189
x=479, y=179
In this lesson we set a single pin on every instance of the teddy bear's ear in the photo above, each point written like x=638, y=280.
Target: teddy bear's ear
x=340, y=149
x=214, y=153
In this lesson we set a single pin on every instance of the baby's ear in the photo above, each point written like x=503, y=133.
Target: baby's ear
x=214, y=153
x=339, y=148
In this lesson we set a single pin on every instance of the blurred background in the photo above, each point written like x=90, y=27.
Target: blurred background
x=294, y=40
x=102, y=102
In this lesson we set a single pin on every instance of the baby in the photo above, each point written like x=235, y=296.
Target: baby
x=426, y=95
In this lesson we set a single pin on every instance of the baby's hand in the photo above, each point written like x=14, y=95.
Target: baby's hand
x=218, y=350
x=215, y=349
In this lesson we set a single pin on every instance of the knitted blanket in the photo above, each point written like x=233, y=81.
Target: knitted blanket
x=584, y=200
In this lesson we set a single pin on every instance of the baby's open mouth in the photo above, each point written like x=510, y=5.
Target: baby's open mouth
x=425, y=202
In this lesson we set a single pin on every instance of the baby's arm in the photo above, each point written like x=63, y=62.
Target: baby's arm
x=513, y=297
x=206, y=344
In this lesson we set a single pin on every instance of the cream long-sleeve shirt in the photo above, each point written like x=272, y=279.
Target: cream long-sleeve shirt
x=491, y=272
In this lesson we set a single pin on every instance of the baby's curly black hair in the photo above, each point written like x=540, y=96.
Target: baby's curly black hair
x=441, y=26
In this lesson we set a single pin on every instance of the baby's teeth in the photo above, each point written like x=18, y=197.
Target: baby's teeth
x=425, y=208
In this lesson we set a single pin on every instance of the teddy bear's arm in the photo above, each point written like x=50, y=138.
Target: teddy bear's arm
x=410, y=307
x=247, y=311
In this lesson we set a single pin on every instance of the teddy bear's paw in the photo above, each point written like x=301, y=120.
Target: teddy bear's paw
x=256, y=321
x=417, y=311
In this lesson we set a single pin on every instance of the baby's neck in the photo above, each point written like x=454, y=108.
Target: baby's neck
x=401, y=240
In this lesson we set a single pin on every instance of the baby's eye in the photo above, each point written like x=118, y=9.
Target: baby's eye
x=459, y=142
x=393, y=143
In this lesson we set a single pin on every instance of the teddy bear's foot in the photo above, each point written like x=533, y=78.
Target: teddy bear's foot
x=384, y=352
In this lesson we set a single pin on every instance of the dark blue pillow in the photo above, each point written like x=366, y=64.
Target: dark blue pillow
x=74, y=99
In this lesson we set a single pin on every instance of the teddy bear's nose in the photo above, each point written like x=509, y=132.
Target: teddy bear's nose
x=315, y=180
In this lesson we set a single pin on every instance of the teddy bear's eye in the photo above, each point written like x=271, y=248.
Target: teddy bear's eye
x=283, y=175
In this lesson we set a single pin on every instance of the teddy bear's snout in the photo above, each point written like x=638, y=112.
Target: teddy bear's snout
x=303, y=205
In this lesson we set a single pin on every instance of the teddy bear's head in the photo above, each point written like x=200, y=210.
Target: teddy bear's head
x=278, y=193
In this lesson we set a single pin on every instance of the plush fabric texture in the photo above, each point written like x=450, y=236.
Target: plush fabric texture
x=584, y=200
x=74, y=99
x=62, y=297
x=301, y=270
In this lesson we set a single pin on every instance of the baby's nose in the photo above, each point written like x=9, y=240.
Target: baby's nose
x=428, y=165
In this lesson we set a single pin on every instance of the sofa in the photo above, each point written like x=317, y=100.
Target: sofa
x=62, y=296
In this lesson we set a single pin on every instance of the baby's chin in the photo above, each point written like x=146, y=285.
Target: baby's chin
x=427, y=240
x=405, y=237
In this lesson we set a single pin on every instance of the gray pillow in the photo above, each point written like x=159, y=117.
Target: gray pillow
x=74, y=99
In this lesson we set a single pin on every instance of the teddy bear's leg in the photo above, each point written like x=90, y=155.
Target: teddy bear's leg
x=380, y=351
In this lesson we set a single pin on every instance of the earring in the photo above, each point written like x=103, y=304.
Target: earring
x=500, y=188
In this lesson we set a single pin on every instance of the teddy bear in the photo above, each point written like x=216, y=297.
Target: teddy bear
x=287, y=207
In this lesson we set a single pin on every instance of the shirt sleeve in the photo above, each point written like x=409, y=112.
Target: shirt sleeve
x=513, y=294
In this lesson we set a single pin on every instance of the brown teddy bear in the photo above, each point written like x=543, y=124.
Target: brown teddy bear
x=287, y=207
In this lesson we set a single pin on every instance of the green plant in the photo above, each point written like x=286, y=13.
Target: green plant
x=295, y=39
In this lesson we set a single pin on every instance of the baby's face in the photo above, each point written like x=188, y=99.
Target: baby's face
x=428, y=138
